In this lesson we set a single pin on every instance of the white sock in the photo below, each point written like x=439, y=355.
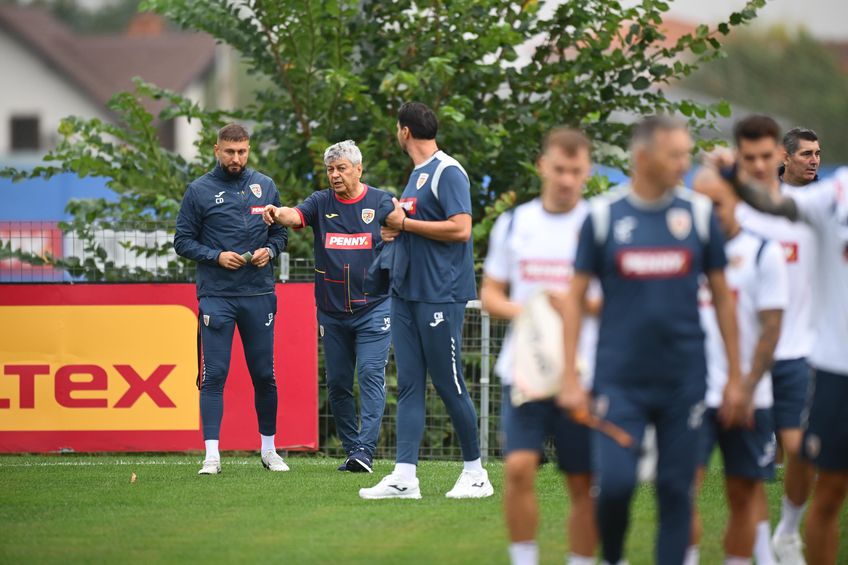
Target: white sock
x=790, y=518
x=405, y=471
x=574, y=559
x=731, y=560
x=268, y=443
x=475, y=466
x=693, y=555
x=524, y=552
x=762, y=544
x=212, y=449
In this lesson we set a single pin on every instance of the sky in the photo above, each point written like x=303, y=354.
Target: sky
x=824, y=19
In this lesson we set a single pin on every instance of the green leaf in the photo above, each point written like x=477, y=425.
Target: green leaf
x=641, y=83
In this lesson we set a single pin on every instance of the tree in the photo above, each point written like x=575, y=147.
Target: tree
x=789, y=75
x=339, y=69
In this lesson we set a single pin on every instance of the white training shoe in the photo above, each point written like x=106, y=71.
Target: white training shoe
x=210, y=467
x=392, y=486
x=472, y=485
x=272, y=461
x=788, y=549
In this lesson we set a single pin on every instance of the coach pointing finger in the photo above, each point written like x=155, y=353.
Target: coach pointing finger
x=355, y=326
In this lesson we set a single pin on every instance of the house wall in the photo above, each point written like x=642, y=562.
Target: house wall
x=185, y=132
x=34, y=88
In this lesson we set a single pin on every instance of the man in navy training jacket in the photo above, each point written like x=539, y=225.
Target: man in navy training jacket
x=220, y=226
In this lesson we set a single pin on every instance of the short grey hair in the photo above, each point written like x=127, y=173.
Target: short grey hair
x=793, y=137
x=346, y=149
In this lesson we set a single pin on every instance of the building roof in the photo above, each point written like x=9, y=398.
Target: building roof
x=840, y=52
x=103, y=65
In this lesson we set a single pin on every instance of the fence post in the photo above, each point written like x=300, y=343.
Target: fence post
x=484, y=383
x=284, y=266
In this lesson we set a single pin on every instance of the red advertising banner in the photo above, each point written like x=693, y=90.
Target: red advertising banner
x=39, y=238
x=112, y=367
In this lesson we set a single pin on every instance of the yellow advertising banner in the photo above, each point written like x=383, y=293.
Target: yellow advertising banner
x=81, y=368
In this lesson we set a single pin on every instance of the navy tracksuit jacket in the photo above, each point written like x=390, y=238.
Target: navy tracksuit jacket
x=220, y=213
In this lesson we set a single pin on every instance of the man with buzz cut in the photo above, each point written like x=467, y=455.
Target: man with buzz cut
x=532, y=248
x=432, y=279
x=354, y=325
x=220, y=227
x=648, y=243
x=759, y=150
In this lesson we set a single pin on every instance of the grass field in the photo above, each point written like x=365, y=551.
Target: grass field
x=84, y=509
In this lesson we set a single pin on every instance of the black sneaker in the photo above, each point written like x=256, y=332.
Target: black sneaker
x=343, y=466
x=359, y=461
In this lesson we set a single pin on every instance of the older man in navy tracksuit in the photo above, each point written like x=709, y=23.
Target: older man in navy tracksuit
x=220, y=226
x=354, y=324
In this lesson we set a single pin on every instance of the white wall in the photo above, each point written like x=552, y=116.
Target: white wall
x=185, y=132
x=33, y=88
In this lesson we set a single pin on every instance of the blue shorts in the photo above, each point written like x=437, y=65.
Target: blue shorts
x=825, y=423
x=747, y=453
x=790, y=380
x=526, y=427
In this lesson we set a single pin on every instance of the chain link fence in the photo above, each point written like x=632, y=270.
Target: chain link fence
x=50, y=252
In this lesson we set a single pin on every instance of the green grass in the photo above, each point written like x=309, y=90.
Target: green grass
x=83, y=509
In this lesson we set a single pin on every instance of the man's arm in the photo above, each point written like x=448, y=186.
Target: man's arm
x=722, y=169
x=278, y=235
x=452, y=190
x=189, y=224
x=736, y=402
x=573, y=396
x=770, y=321
x=495, y=300
x=761, y=200
x=395, y=217
x=277, y=239
x=283, y=216
x=772, y=298
x=457, y=228
x=494, y=290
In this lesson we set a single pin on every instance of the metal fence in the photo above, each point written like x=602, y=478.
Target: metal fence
x=481, y=340
x=142, y=252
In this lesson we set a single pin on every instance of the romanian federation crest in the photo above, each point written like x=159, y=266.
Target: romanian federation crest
x=256, y=190
x=679, y=222
x=422, y=179
x=368, y=215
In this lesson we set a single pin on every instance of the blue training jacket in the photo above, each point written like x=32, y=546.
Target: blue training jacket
x=223, y=213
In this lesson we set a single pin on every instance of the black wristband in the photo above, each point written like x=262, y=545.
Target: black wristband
x=402, y=224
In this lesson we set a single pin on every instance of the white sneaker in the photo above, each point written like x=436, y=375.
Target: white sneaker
x=472, y=485
x=788, y=549
x=210, y=467
x=272, y=461
x=392, y=486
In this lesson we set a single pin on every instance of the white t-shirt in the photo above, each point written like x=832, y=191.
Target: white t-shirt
x=824, y=206
x=799, y=246
x=531, y=249
x=756, y=285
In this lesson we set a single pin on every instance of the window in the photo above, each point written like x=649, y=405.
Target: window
x=25, y=133
x=167, y=134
